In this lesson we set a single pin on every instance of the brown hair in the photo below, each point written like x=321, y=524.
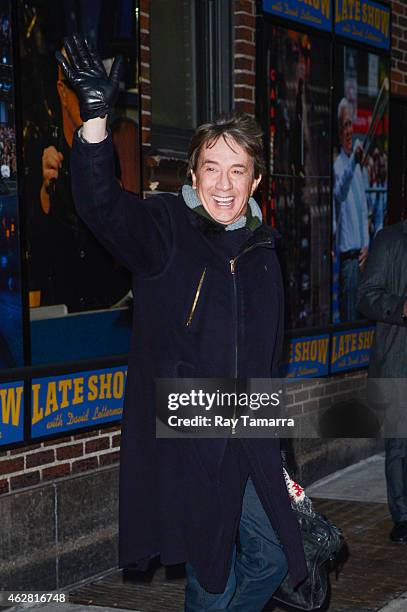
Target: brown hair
x=239, y=126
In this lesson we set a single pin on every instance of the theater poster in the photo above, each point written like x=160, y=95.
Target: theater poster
x=360, y=169
x=70, y=274
x=298, y=202
x=11, y=309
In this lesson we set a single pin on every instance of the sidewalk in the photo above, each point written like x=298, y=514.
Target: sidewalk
x=373, y=579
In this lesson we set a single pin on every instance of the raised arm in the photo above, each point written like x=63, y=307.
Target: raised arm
x=137, y=232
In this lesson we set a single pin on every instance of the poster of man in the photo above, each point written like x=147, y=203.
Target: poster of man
x=67, y=267
x=299, y=193
x=359, y=170
x=11, y=325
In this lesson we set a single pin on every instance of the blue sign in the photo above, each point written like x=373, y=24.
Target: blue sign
x=308, y=357
x=315, y=13
x=12, y=412
x=351, y=349
x=363, y=20
x=73, y=401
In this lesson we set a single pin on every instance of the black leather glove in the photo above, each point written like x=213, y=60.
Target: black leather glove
x=96, y=91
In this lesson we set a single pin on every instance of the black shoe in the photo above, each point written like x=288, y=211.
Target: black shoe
x=399, y=532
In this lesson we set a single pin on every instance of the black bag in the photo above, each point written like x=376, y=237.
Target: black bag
x=321, y=540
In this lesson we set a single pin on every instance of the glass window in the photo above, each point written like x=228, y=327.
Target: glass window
x=173, y=77
x=76, y=288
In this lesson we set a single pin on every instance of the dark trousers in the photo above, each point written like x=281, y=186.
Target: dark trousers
x=396, y=477
x=349, y=281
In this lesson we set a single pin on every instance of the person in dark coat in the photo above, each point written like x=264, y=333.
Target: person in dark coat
x=382, y=297
x=208, y=302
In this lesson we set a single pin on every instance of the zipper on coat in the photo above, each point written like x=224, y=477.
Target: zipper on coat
x=232, y=263
x=196, y=298
x=233, y=272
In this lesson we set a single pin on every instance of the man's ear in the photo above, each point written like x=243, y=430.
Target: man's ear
x=193, y=177
x=255, y=184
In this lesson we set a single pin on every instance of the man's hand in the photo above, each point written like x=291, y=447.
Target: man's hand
x=358, y=152
x=51, y=164
x=364, y=252
x=96, y=91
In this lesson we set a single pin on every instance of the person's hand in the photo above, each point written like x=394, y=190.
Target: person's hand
x=364, y=252
x=51, y=164
x=358, y=152
x=83, y=68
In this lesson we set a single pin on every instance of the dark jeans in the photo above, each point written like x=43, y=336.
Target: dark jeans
x=257, y=569
x=396, y=477
x=349, y=281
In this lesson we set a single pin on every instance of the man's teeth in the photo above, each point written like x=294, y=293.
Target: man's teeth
x=225, y=200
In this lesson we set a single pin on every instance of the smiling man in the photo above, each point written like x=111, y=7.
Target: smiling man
x=208, y=302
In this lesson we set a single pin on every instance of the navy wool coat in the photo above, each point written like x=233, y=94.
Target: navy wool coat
x=173, y=499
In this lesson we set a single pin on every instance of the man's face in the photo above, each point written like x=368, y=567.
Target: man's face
x=224, y=180
x=346, y=131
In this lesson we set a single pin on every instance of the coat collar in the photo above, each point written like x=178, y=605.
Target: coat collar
x=263, y=235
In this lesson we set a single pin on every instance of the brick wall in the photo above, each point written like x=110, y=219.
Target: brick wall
x=244, y=55
x=38, y=463
x=399, y=48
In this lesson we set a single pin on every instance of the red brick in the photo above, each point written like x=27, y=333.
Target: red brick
x=145, y=73
x=96, y=445
x=243, y=33
x=11, y=465
x=56, y=471
x=145, y=55
x=398, y=8
x=396, y=31
x=245, y=6
x=145, y=39
x=109, y=458
x=145, y=120
x=67, y=452
x=24, y=449
x=243, y=92
x=245, y=107
x=25, y=480
x=4, y=486
x=244, y=63
x=396, y=76
x=116, y=440
x=146, y=136
x=87, y=434
x=85, y=464
x=144, y=22
x=112, y=429
x=245, y=20
x=242, y=78
x=46, y=456
x=58, y=441
x=245, y=48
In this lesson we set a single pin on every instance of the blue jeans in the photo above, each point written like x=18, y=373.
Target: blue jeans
x=349, y=279
x=257, y=569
